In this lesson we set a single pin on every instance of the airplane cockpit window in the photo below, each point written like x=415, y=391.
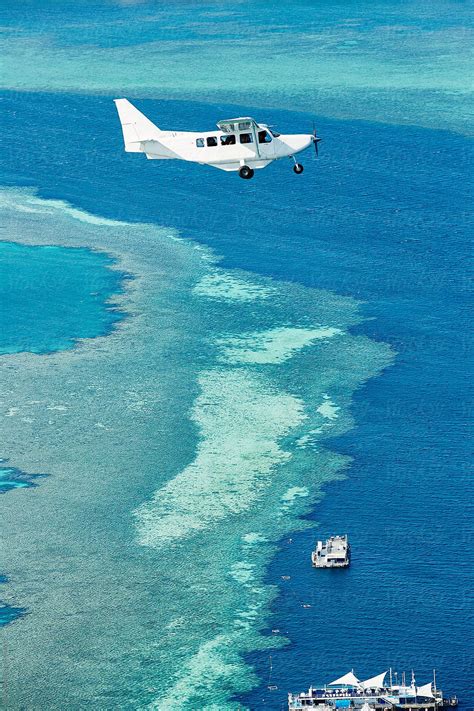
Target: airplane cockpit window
x=228, y=140
x=200, y=142
x=211, y=141
x=246, y=138
x=264, y=137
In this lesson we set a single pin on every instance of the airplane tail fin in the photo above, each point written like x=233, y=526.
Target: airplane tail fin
x=135, y=126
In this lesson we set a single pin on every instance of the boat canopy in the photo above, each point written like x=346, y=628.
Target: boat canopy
x=425, y=690
x=375, y=682
x=350, y=679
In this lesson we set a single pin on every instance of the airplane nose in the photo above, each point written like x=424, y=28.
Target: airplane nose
x=300, y=142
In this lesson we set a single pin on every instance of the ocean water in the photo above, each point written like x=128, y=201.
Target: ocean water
x=405, y=62
x=8, y=613
x=289, y=360
x=52, y=296
x=157, y=473
x=11, y=478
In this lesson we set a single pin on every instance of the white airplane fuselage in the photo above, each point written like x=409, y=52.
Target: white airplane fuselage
x=239, y=144
x=182, y=145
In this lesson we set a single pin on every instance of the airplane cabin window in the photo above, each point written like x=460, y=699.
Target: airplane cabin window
x=228, y=140
x=200, y=142
x=264, y=137
x=211, y=141
x=246, y=138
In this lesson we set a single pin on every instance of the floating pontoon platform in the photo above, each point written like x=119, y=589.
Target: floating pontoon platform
x=348, y=693
x=334, y=553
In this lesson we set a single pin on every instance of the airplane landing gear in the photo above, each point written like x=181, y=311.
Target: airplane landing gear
x=298, y=168
x=245, y=172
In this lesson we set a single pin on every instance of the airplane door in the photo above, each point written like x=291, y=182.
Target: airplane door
x=266, y=143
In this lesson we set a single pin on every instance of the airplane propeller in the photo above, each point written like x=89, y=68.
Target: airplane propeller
x=316, y=140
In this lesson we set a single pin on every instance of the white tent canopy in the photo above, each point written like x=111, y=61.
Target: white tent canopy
x=425, y=690
x=375, y=682
x=348, y=679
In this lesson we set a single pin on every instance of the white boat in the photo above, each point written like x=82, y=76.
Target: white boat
x=351, y=694
x=335, y=552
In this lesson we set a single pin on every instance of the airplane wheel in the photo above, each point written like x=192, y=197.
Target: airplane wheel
x=298, y=168
x=245, y=172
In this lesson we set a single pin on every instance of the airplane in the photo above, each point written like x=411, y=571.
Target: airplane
x=240, y=144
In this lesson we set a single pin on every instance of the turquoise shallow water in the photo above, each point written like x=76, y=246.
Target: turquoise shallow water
x=11, y=478
x=52, y=296
x=404, y=62
x=184, y=445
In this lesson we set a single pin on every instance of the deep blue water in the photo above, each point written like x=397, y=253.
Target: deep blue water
x=51, y=296
x=382, y=217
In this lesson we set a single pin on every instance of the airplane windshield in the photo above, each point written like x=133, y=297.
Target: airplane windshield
x=264, y=137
